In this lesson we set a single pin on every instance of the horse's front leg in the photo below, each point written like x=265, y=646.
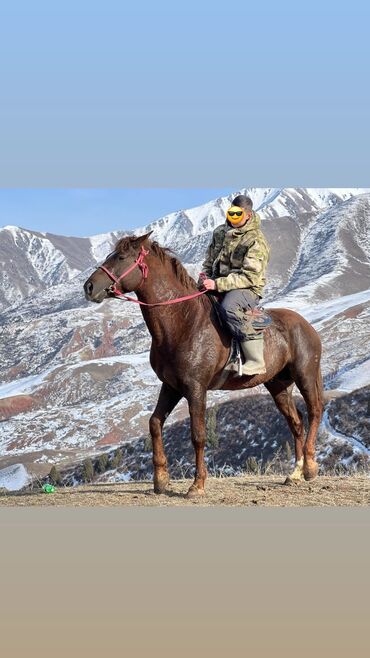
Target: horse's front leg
x=197, y=408
x=167, y=401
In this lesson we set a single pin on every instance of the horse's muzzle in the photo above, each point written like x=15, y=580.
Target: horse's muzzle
x=93, y=294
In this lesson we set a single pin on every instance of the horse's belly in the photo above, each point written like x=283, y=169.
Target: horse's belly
x=235, y=383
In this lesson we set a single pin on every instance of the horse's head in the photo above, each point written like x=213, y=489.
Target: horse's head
x=126, y=262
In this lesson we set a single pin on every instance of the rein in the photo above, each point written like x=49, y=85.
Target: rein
x=139, y=262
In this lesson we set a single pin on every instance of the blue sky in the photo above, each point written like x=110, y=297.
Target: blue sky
x=147, y=94
x=87, y=212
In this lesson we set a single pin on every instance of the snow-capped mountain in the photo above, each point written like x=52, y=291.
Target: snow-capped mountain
x=75, y=376
x=32, y=261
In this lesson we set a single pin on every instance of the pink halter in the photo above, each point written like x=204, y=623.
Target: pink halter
x=139, y=262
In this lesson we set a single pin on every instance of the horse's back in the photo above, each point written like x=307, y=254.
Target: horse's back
x=301, y=339
x=286, y=318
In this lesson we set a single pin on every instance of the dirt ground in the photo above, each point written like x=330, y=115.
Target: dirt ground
x=265, y=491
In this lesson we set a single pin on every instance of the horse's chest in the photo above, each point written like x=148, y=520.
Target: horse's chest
x=163, y=366
x=171, y=368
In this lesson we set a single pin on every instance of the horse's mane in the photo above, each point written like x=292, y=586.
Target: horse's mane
x=165, y=255
x=179, y=270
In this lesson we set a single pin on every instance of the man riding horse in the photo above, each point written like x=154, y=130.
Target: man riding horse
x=235, y=266
x=190, y=349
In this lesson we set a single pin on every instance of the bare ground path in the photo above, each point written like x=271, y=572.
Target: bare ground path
x=266, y=491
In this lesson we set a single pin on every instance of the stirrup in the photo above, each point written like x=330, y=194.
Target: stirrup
x=240, y=364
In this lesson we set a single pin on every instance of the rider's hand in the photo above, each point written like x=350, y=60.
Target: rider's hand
x=201, y=278
x=209, y=284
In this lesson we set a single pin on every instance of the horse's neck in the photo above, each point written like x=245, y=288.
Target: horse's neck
x=162, y=321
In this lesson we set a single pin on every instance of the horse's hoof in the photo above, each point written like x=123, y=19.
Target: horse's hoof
x=161, y=484
x=194, y=492
x=310, y=470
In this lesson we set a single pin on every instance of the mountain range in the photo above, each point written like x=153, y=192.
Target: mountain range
x=75, y=377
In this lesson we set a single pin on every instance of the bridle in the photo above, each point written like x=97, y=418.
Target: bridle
x=140, y=263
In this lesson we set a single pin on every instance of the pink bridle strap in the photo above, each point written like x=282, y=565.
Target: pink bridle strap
x=139, y=262
x=120, y=295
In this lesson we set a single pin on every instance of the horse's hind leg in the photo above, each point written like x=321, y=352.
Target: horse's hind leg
x=311, y=390
x=167, y=401
x=282, y=393
x=197, y=409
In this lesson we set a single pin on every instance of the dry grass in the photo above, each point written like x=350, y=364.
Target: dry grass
x=249, y=490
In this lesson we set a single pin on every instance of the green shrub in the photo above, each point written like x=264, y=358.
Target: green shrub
x=87, y=470
x=288, y=451
x=212, y=436
x=251, y=465
x=54, y=476
x=102, y=463
x=117, y=458
x=148, y=445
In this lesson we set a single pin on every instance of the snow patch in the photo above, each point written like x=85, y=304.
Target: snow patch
x=102, y=245
x=14, y=477
x=22, y=386
x=355, y=378
x=317, y=313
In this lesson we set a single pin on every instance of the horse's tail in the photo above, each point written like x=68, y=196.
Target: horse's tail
x=320, y=387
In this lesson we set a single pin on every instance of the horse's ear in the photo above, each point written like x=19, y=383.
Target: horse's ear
x=137, y=242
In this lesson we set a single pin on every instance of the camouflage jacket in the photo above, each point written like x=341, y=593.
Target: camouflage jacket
x=238, y=257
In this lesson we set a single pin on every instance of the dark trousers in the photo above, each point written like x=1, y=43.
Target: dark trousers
x=233, y=305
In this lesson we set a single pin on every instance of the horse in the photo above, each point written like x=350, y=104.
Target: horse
x=190, y=348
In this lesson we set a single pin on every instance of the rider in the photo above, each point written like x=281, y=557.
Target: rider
x=235, y=265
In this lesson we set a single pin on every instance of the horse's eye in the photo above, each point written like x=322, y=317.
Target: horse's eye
x=121, y=258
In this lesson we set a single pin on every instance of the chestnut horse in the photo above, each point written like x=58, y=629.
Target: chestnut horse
x=190, y=349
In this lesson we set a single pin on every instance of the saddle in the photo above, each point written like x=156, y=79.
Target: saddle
x=256, y=320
